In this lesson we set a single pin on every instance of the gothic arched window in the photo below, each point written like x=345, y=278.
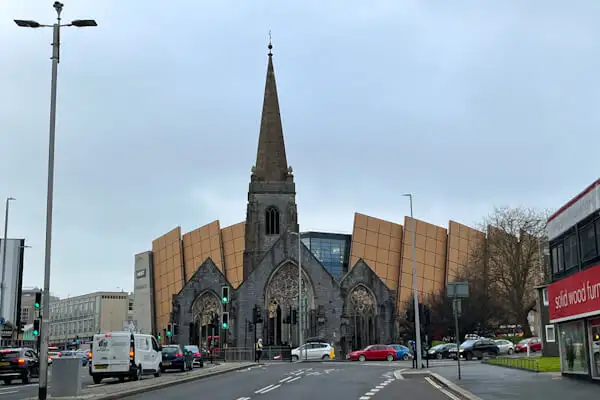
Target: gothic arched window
x=272, y=221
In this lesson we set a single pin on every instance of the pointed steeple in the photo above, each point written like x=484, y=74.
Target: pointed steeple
x=271, y=162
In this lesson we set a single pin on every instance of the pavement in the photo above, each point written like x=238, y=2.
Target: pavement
x=298, y=381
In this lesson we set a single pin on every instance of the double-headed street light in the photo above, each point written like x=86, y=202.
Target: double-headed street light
x=79, y=23
x=415, y=291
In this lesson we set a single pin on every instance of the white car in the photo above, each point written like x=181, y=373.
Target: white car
x=505, y=346
x=313, y=351
x=124, y=355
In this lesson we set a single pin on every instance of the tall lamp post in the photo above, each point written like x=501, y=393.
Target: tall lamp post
x=79, y=23
x=415, y=292
x=300, y=325
x=8, y=200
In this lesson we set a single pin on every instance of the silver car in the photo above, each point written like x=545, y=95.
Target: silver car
x=505, y=346
x=313, y=351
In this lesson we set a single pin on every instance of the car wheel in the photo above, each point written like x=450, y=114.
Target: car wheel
x=26, y=376
x=201, y=364
x=121, y=379
x=294, y=358
x=138, y=373
x=96, y=379
x=510, y=351
x=362, y=358
x=325, y=357
x=158, y=372
x=439, y=356
x=7, y=381
x=390, y=357
x=405, y=357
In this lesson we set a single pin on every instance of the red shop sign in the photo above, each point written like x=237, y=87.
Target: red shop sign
x=576, y=296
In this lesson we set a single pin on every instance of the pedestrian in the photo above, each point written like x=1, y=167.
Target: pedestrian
x=259, y=350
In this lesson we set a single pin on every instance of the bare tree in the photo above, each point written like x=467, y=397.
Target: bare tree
x=513, y=252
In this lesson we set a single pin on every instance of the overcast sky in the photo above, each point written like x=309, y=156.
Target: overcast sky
x=466, y=104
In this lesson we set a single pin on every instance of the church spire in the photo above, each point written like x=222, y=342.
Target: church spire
x=271, y=162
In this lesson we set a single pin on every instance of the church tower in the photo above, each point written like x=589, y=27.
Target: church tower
x=271, y=210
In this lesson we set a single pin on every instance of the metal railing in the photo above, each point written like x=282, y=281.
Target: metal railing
x=527, y=364
x=269, y=353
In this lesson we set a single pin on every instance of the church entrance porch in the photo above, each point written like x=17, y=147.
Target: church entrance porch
x=205, y=330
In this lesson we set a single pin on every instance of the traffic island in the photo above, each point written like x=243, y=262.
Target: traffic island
x=442, y=384
x=113, y=390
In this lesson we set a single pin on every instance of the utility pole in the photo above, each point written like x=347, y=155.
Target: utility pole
x=4, y=242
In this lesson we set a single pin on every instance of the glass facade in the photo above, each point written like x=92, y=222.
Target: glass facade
x=595, y=341
x=332, y=250
x=573, y=352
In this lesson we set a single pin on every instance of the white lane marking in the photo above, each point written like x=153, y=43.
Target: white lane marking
x=12, y=391
x=375, y=390
x=295, y=379
x=441, y=389
x=285, y=379
x=380, y=386
x=369, y=393
x=268, y=390
x=364, y=398
x=244, y=398
x=265, y=388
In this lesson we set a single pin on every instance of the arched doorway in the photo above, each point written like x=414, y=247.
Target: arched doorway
x=205, y=314
x=362, y=310
x=281, y=296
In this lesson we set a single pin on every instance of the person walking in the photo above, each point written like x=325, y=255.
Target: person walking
x=258, y=350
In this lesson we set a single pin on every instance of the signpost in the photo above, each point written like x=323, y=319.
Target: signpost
x=457, y=291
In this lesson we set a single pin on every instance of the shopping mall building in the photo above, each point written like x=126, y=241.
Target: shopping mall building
x=574, y=292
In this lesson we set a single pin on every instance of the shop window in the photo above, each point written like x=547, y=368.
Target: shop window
x=545, y=296
x=550, y=335
x=573, y=352
x=559, y=258
x=595, y=340
x=570, y=252
x=587, y=240
x=555, y=260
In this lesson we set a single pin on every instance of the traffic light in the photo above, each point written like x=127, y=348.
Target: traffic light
x=38, y=300
x=159, y=336
x=225, y=320
x=175, y=329
x=36, y=327
x=169, y=330
x=225, y=294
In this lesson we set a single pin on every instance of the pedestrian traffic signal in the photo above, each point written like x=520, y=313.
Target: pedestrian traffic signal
x=225, y=294
x=38, y=300
x=169, y=330
x=159, y=337
x=36, y=327
x=225, y=320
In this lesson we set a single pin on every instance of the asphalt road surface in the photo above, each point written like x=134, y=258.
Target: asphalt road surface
x=300, y=381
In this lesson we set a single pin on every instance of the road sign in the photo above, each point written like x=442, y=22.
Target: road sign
x=457, y=290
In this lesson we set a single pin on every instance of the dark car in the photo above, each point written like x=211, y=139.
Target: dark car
x=22, y=363
x=441, y=351
x=476, y=348
x=198, y=357
x=172, y=358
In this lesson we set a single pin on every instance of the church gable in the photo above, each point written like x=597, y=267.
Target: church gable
x=362, y=274
x=207, y=277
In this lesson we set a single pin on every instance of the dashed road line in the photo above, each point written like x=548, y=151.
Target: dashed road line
x=295, y=379
x=285, y=379
x=243, y=398
x=268, y=390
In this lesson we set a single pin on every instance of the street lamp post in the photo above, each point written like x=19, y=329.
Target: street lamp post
x=79, y=23
x=8, y=200
x=415, y=292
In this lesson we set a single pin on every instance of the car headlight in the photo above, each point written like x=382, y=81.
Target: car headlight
x=462, y=350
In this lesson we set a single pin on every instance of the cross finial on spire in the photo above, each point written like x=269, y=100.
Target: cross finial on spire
x=270, y=46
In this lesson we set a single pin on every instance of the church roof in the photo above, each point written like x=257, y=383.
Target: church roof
x=271, y=162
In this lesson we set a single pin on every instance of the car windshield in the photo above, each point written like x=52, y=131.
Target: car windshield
x=437, y=347
x=468, y=343
x=9, y=354
x=193, y=349
x=170, y=350
x=370, y=347
x=524, y=341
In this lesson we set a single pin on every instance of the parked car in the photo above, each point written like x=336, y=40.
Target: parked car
x=402, y=352
x=20, y=363
x=374, y=352
x=314, y=351
x=172, y=358
x=535, y=344
x=505, y=346
x=441, y=351
x=198, y=359
x=478, y=348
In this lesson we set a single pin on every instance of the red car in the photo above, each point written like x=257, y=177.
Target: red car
x=535, y=344
x=374, y=352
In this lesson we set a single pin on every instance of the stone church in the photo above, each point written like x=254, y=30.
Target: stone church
x=351, y=313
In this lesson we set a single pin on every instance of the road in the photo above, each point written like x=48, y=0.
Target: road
x=299, y=381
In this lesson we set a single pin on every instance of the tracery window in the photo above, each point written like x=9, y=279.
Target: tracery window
x=272, y=221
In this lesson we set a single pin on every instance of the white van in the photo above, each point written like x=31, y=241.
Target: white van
x=124, y=354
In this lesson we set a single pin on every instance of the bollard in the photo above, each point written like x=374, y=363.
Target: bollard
x=65, y=380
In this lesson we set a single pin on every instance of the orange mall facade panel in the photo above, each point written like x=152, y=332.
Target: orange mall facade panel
x=168, y=272
x=430, y=260
x=200, y=244
x=379, y=243
x=464, y=245
x=232, y=238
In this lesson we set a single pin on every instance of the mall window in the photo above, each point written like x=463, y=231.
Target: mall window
x=272, y=221
x=587, y=240
x=595, y=340
x=573, y=352
x=331, y=252
x=571, y=251
x=558, y=265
